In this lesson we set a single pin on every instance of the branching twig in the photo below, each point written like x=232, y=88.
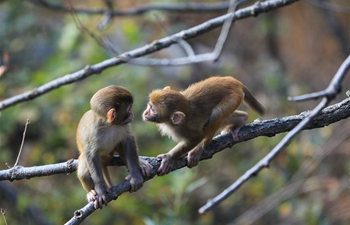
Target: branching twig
x=187, y=47
x=254, y=10
x=332, y=90
x=23, y=138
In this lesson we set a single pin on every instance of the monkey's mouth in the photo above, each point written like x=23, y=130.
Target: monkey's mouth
x=128, y=118
x=152, y=119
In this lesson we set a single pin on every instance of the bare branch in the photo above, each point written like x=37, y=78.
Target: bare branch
x=135, y=11
x=254, y=10
x=20, y=172
x=332, y=91
x=187, y=47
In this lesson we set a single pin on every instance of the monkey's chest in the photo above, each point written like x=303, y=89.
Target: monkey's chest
x=111, y=138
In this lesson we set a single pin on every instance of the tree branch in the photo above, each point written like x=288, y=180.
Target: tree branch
x=135, y=11
x=254, y=10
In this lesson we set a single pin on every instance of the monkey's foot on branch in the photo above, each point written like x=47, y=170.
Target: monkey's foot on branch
x=233, y=131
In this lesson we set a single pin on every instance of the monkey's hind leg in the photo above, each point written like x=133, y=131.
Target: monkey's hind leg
x=86, y=181
x=233, y=123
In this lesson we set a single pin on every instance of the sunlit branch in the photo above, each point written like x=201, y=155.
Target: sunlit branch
x=332, y=90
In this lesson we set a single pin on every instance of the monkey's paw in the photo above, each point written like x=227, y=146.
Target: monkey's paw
x=91, y=196
x=100, y=197
x=166, y=164
x=146, y=167
x=194, y=156
x=136, y=181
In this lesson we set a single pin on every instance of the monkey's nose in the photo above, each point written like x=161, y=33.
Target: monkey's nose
x=144, y=115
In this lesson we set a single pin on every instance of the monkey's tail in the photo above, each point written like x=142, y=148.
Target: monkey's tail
x=252, y=102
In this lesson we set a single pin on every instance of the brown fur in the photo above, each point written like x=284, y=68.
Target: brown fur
x=193, y=116
x=103, y=131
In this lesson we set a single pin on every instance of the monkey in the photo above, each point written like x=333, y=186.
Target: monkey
x=193, y=116
x=102, y=131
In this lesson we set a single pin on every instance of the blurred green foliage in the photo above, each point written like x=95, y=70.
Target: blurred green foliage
x=44, y=45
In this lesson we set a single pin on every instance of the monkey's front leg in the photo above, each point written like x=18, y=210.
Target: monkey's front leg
x=101, y=188
x=169, y=159
x=166, y=164
x=133, y=164
x=145, y=168
x=194, y=156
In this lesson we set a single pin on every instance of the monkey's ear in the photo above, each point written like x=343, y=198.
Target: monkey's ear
x=111, y=115
x=167, y=88
x=177, y=117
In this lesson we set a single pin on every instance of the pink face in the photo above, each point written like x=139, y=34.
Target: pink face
x=150, y=114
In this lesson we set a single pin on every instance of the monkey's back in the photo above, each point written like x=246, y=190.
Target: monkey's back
x=208, y=93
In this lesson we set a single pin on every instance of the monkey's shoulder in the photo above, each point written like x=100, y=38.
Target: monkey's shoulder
x=170, y=131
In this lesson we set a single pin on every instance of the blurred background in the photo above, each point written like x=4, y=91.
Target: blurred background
x=290, y=51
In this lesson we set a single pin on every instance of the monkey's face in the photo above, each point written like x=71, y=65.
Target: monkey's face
x=151, y=114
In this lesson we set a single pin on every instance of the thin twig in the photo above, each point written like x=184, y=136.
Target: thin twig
x=226, y=28
x=3, y=213
x=331, y=6
x=213, y=56
x=23, y=138
x=187, y=47
x=332, y=88
x=108, y=15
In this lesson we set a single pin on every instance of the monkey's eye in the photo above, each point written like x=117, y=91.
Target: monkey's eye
x=152, y=109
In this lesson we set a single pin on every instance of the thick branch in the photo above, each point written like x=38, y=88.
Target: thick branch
x=254, y=10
